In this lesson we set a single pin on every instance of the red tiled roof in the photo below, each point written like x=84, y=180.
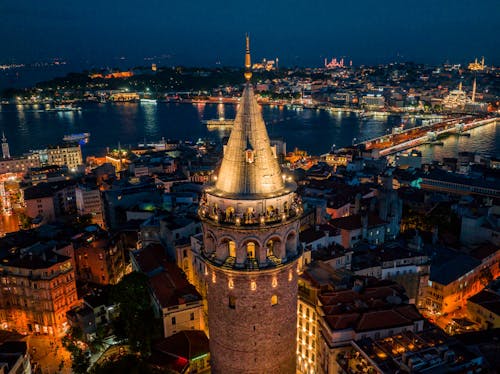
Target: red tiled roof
x=172, y=288
x=372, y=306
x=333, y=298
x=410, y=312
x=381, y=319
x=382, y=292
x=187, y=344
x=168, y=282
x=343, y=321
x=151, y=257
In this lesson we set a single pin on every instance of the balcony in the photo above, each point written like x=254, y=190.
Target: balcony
x=249, y=220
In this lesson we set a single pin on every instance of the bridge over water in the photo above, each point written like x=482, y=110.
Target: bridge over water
x=416, y=136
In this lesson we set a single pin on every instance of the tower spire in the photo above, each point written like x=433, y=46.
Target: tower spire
x=248, y=62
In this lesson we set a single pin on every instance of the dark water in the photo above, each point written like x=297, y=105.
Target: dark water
x=30, y=127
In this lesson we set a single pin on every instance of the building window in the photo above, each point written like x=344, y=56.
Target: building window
x=251, y=250
x=191, y=316
x=274, y=300
x=173, y=321
x=231, y=248
x=232, y=302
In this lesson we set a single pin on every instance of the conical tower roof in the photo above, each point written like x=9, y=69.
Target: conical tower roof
x=249, y=166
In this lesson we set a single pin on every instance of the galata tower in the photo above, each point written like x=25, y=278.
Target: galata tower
x=251, y=216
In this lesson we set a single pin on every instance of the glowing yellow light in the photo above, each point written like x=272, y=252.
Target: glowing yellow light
x=275, y=282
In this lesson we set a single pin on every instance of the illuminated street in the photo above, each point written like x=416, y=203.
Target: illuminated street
x=49, y=355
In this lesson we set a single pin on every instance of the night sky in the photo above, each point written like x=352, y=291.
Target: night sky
x=198, y=33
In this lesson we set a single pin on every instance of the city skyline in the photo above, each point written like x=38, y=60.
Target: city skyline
x=198, y=33
x=246, y=220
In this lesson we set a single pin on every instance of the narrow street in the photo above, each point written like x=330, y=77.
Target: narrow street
x=48, y=355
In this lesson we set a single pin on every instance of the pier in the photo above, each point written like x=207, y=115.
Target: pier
x=410, y=138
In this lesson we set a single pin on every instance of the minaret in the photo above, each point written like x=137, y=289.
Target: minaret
x=251, y=219
x=248, y=61
x=5, y=147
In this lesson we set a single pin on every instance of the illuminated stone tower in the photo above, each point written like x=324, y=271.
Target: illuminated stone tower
x=5, y=147
x=250, y=222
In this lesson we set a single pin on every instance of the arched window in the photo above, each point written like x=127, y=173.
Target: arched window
x=232, y=302
x=270, y=247
x=231, y=245
x=291, y=243
x=274, y=299
x=251, y=250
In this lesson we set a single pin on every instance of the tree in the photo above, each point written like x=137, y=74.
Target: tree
x=136, y=313
x=25, y=221
x=131, y=364
x=80, y=362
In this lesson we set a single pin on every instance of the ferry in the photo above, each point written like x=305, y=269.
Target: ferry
x=64, y=108
x=80, y=138
x=148, y=101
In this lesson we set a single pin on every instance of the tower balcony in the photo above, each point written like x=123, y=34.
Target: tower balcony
x=249, y=220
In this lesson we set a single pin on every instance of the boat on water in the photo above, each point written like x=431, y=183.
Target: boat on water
x=364, y=115
x=80, y=138
x=64, y=108
x=148, y=101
